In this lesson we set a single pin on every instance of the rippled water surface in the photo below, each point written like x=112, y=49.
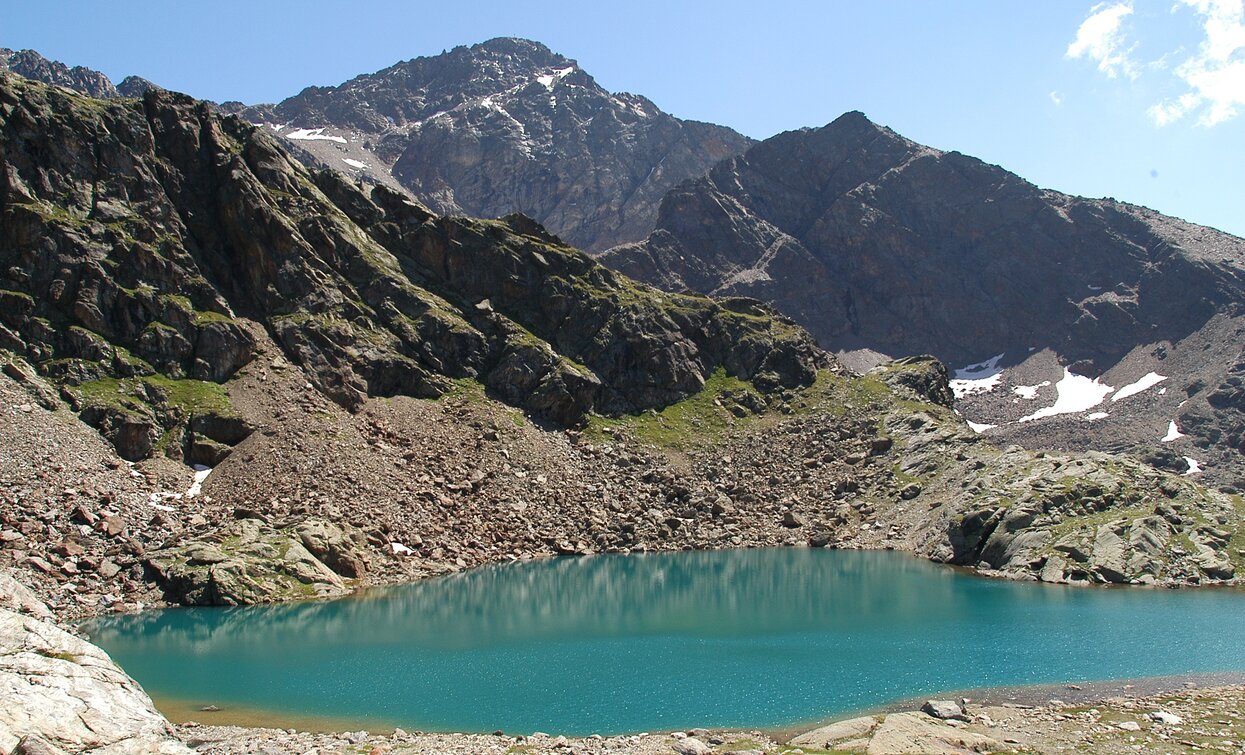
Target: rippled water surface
x=607, y=644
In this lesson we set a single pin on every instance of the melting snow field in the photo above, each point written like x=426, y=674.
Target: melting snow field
x=1173, y=432
x=313, y=134
x=354, y=163
x=1149, y=381
x=1194, y=467
x=1029, y=392
x=1077, y=393
x=201, y=474
x=978, y=427
x=1096, y=415
x=982, y=377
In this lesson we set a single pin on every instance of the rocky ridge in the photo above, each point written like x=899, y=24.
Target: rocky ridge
x=32, y=65
x=505, y=126
x=881, y=246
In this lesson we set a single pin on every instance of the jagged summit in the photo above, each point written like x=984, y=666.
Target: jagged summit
x=505, y=126
x=32, y=65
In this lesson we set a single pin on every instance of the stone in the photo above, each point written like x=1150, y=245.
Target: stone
x=827, y=737
x=692, y=746
x=63, y=694
x=906, y=733
x=1128, y=726
x=1165, y=718
x=944, y=709
x=791, y=520
x=247, y=562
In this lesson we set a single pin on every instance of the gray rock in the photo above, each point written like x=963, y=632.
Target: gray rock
x=64, y=694
x=252, y=562
x=692, y=746
x=826, y=737
x=944, y=709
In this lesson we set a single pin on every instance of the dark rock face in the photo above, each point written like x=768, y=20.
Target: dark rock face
x=32, y=65
x=883, y=247
x=136, y=86
x=143, y=241
x=873, y=241
x=509, y=126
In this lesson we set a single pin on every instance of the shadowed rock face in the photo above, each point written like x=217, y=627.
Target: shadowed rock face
x=873, y=241
x=510, y=126
x=142, y=241
x=877, y=244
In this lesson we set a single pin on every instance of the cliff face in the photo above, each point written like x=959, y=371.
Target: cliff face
x=880, y=245
x=506, y=126
x=142, y=241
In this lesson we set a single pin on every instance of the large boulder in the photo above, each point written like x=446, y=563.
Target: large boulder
x=251, y=561
x=62, y=694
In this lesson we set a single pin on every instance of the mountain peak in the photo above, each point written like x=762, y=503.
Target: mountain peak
x=34, y=66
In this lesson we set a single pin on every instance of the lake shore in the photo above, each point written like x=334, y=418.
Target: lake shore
x=1179, y=714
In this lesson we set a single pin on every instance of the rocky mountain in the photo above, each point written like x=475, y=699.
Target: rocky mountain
x=229, y=378
x=505, y=126
x=32, y=65
x=1081, y=323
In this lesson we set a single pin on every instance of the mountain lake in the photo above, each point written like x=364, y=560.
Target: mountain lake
x=649, y=642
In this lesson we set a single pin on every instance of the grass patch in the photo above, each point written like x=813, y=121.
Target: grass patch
x=191, y=396
x=700, y=419
x=58, y=655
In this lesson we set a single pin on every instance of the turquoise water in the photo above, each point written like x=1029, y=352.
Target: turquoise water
x=611, y=644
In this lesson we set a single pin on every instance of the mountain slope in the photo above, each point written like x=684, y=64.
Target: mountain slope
x=506, y=126
x=136, y=236
x=881, y=245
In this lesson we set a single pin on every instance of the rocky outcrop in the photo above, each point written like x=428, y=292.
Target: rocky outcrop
x=506, y=126
x=32, y=65
x=897, y=733
x=251, y=562
x=64, y=695
x=144, y=241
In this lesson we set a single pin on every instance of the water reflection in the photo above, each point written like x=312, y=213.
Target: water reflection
x=623, y=643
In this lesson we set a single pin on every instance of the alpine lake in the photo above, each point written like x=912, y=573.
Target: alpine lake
x=650, y=642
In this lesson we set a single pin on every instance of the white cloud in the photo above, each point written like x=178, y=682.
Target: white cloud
x=1101, y=38
x=1211, y=78
x=1056, y=98
x=1215, y=75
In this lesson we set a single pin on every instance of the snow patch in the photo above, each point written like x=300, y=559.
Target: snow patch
x=1077, y=393
x=1029, y=392
x=400, y=550
x=548, y=79
x=277, y=126
x=201, y=474
x=1150, y=380
x=978, y=427
x=1194, y=466
x=982, y=377
x=1173, y=433
x=313, y=134
x=354, y=163
x=1096, y=416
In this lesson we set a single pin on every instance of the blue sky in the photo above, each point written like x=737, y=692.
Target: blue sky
x=1141, y=100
